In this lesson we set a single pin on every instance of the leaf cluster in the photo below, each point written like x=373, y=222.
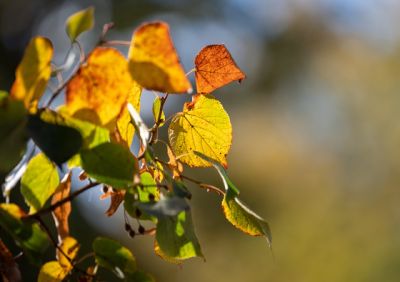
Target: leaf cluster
x=94, y=130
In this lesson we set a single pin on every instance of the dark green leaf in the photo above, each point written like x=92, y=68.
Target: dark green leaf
x=112, y=255
x=111, y=164
x=176, y=237
x=57, y=141
x=13, y=136
x=27, y=235
x=39, y=181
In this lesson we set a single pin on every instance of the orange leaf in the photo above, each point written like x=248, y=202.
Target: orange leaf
x=33, y=72
x=215, y=68
x=153, y=60
x=62, y=213
x=101, y=88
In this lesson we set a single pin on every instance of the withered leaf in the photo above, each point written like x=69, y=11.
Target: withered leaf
x=61, y=214
x=153, y=60
x=215, y=68
x=116, y=199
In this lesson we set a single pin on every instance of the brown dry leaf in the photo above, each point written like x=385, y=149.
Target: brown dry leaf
x=117, y=196
x=154, y=62
x=215, y=68
x=9, y=270
x=61, y=214
x=33, y=72
x=101, y=88
x=175, y=165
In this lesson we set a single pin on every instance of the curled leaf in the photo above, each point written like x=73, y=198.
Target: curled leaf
x=116, y=199
x=203, y=126
x=153, y=60
x=33, y=72
x=244, y=218
x=215, y=68
x=79, y=22
x=61, y=213
x=101, y=88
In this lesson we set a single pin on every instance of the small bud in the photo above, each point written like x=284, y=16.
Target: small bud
x=132, y=233
x=127, y=227
x=82, y=176
x=138, y=212
x=105, y=189
x=151, y=197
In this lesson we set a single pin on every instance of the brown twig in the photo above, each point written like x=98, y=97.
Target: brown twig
x=61, y=202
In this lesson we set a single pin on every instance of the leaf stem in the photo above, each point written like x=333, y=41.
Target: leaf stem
x=206, y=186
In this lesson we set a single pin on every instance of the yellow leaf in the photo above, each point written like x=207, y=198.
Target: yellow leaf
x=203, y=126
x=125, y=128
x=215, y=68
x=52, y=271
x=101, y=88
x=70, y=247
x=79, y=22
x=33, y=72
x=153, y=60
x=245, y=219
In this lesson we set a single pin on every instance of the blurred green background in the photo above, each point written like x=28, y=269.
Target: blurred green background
x=316, y=131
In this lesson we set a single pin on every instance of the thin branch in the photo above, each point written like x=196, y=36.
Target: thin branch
x=62, y=202
x=208, y=187
x=116, y=43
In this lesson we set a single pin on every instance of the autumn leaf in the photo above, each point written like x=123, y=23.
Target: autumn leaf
x=61, y=214
x=215, y=68
x=203, y=126
x=101, y=88
x=153, y=60
x=79, y=22
x=125, y=128
x=33, y=72
x=116, y=199
x=56, y=271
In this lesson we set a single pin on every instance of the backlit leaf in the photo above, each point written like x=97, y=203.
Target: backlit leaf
x=70, y=247
x=158, y=117
x=111, y=164
x=112, y=255
x=176, y=237
x=57, y=141
x=215, y=68
x=101, y=88
x=245, y=219
x=126, y=130
x=203, y=126
x=52, y=271
x=79, y=22
x=13, y=136
x=27, y=235
x=146, y=192
x=39, y=182
x=153, y=60
x=61, y=213
x=33, y=72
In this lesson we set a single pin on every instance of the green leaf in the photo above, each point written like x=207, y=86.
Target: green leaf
x=203, y=126
x=148, y=187
x=13, y=136
x=176, y=238
x=244, y=218
x=112, y=255
x=57, y=141
x=111, y=164
x=39, y=181
x=79, y=22
x=140, y=276
x=228, y=184
x=27, y=235
x=156, y=111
